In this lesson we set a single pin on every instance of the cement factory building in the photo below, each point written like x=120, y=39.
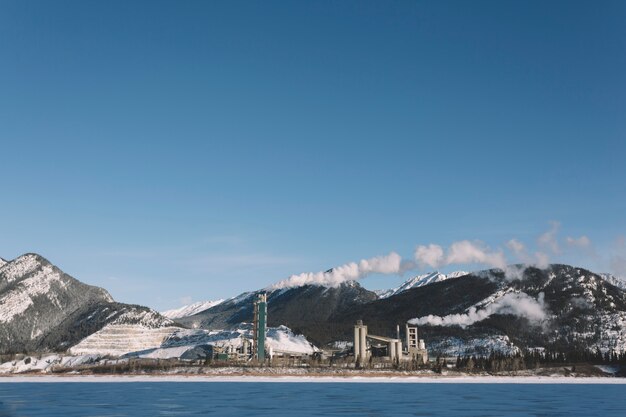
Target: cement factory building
x=364, y=344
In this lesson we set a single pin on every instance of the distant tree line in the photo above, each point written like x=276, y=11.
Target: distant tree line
x=532, y=359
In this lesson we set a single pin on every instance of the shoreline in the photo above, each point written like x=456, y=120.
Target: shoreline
x=485, y=379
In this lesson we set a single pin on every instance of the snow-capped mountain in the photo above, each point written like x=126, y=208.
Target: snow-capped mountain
x=498, y=310
x=191, y=309
x=2, y=262
x=420, y=281
x=42, y=308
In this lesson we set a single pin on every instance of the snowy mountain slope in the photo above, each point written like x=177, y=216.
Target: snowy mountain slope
x=420, y=281
x=2, y=262
x=35, y=297
x=559, y=307
x=191, y=309
x=614, y=280
x=42, y=308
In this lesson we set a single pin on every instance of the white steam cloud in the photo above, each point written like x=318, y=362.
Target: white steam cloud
x=549, y=239
x=539, y=259
x=431, y=255
x=462, y=252
x=581, y=242
x=389, y=264
x=517, y=304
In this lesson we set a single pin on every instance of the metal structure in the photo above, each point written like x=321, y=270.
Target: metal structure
x=260, y=326
x=364, y=343
x=361, y=354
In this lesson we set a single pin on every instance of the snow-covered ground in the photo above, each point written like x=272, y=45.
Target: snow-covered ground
x=46, y=363
x=191, y=309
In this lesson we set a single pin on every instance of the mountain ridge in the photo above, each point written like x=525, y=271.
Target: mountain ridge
x=42, y=308
x=419, y=281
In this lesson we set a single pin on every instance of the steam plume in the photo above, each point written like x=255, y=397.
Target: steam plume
x=518, y=304
x=389, y=264
x=549, y=239
x=462, y=252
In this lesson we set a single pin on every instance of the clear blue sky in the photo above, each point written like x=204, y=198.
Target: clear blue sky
x=170, y=151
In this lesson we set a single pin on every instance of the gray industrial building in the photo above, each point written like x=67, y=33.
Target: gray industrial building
x=365, y=343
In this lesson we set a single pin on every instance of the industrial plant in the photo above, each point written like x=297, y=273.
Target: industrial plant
x=366, y=347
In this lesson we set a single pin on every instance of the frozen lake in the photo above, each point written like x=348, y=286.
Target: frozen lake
x=172, y=398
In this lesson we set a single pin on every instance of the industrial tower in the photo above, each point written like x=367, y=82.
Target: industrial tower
x=260, y=326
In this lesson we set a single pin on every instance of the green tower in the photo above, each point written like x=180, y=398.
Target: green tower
x=260, y=326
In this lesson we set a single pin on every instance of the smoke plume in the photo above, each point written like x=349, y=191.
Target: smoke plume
x=517, y=304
